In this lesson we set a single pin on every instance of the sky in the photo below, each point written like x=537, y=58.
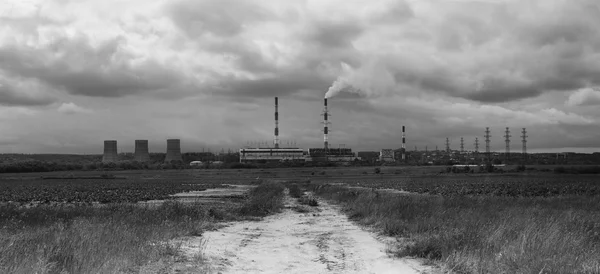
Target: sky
x=76, y=72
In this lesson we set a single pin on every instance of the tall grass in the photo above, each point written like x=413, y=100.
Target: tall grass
x=295, y=191
x=484, y=234
x=85, y=239
x=115, y=238
x=266, y=198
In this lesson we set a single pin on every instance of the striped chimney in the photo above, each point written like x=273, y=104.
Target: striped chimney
x=325, y=124
x=276, y=140
x=403, y=143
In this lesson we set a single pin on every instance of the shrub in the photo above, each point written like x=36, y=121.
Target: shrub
x=377, y=170
x=295, y=191
x=308, y=200
x=264, y=199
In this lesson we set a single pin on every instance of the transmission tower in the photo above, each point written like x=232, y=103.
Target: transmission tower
x=524, y=141
x=507, y=141
x=462, y=145
x=476, y=145
x=447, y=145
x=487, y=142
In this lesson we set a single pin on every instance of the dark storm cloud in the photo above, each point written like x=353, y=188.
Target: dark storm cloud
x=330, y=34
x=218, y=17
x=12, y=95
x=282, y=84
x=103, y=71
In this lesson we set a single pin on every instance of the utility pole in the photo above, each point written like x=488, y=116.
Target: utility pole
x=487, y=143
x=524, y=141
x=507, y=141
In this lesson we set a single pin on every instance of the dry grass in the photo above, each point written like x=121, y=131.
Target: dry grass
x=265, y=199
x=90, y=240
x=119, y=238
x=485, y=234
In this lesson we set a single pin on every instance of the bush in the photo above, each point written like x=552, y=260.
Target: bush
x=377, y=170
x=295, y=191
x=308, y=200
x=264, y=199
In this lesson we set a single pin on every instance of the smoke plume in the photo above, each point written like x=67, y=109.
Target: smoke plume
x=372, y=79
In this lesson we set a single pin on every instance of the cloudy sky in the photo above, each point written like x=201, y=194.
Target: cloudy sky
x=76, y=72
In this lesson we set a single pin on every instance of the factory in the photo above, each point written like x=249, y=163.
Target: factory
x=263, y=153
x=279, y=154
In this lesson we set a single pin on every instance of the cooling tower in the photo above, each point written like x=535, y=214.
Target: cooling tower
x=110, y=151
x=141, y=151
x=173, y=150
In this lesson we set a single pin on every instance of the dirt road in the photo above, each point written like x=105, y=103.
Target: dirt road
x=322, y=241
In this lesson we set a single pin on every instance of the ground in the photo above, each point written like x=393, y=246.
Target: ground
x=322, y=240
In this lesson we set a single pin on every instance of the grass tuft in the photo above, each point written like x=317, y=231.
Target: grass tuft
x=295, y=191
x=265, y=199
x=308, y=200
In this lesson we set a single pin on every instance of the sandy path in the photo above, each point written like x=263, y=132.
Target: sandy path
x=292, y=242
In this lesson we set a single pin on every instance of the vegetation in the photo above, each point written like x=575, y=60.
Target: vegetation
x=265, y=199
x=308, y=200
x=295, y=191
x=578, y=170
x=98, y=190
x=508, y=186
x=482, y=234
x=114, y=238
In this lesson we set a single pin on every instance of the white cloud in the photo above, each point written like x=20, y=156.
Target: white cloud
x=584, y=97
x=72, y=108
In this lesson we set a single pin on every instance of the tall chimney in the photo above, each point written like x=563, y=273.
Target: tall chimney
x=403, y=144
x=276, y=141
x=173, y=150
x=325, y=124
x=141, y=151
x=110, y=152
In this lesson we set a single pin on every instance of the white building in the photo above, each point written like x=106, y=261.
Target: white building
x=271, y=154
x=386, y=155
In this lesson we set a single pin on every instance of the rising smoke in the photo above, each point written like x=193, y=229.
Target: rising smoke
x=370, y=80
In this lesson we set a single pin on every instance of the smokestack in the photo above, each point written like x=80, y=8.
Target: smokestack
x=141, y=151
x=403, y=143
x=110, y=152
x=325, y=124
x=173, y=150
x=276, y=141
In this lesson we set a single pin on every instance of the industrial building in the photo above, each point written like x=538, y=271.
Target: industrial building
x=271, y=154
x=274, y=154
x=386, y=155
x=330, y=154
x=277, y=153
